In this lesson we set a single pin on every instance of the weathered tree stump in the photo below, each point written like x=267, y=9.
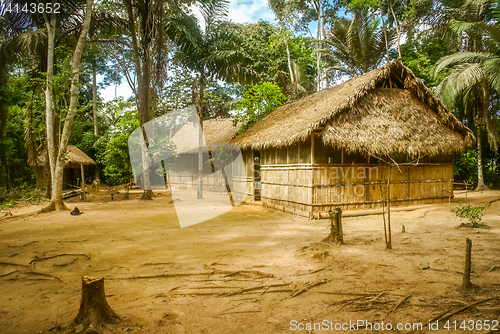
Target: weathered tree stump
x=467, y=285
x=336, y=234
x=94, y=309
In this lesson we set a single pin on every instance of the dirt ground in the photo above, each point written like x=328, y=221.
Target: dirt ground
x=250, y=270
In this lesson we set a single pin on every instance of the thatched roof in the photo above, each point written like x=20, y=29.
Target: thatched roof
x=74, y=156
x=361, y=115
x=214, y=131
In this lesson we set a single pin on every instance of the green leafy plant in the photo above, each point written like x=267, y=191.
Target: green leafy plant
x=469, y=212
x=258, y=102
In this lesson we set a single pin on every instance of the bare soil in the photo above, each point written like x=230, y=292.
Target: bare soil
x=251, y=270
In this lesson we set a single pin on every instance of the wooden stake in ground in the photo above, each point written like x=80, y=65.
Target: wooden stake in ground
x=94, y=309
x=467, y=285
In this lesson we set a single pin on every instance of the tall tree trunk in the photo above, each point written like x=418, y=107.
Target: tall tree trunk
x=3, y=137
x=318, y=47
x=397, y=29
x=49, y=106
x=143, y=81
x=57, y=156
x=198, y=93
x=385, y=36
x=289, y=59
x=480, y=177
x=94, y=97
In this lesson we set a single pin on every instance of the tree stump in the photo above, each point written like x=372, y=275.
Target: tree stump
x=336, y=234
x=94, y=309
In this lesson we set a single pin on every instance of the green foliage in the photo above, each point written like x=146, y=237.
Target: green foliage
x=420, y=56
x=465, y=168
x=257, y=103
x=470, y=212
x=113, y=149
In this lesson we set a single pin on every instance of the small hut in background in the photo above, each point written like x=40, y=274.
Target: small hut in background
x=332, y=148
x=184, y=173
x=74, y=170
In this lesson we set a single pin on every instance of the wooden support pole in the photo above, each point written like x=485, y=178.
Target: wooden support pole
x=467, y=285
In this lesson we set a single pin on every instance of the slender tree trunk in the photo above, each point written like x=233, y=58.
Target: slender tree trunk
x=199, y=108
x=94, y=97
x=385, y=36
x=57, y=160
x=3, y=137
x=289, y=59
x=318, y=46
x=397, y=29
x=143, y=81
x=49, y=106
x=480, y=177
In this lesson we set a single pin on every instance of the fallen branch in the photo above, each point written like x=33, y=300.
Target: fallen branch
x=376, y=297
x=298, y=292
x=493, y=268
x=14, y=264
x=346, y=293
x=312, y=272
x=457, y=311
x=42, y=274
x=249, y=272
x=489, y=310
x=29, y=243
x=239, y=292
x=397, y=305
x=9, y=273
x=162, y=275
x=250, y=311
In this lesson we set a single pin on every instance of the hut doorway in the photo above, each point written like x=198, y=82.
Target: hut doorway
x=256, y=174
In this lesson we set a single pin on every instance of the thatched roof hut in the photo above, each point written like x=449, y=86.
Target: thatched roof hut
x=385, y=111
x=214, y=131
x=74, y=157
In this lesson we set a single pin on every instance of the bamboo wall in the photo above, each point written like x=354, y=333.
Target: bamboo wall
x=316, y=188
x=313, y=177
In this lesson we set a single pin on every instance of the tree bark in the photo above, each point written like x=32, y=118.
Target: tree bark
x=142, y=69
x=318, y=46
x=57, y=154
x=385, y=36
x=480, y=178
x=397, y=29
x=94, y=309
x=94, y=97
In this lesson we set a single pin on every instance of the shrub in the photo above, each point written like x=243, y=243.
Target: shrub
x=470, y=212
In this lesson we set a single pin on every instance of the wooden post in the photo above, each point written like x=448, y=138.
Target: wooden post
x=467, y=285
x=389, y=237
x=83, y=182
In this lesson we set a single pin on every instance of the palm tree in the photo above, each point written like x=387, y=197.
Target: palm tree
x=358, y=46
x=474, y=75
x=211, y=52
